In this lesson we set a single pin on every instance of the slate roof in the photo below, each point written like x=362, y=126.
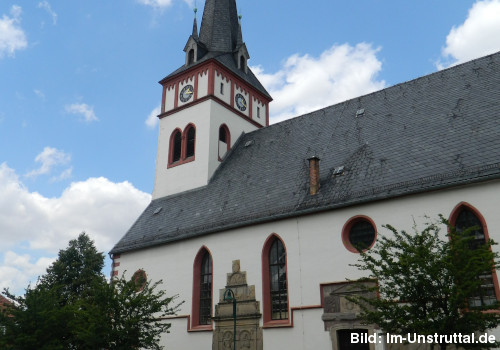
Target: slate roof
x=438, y=131
x=219, y=26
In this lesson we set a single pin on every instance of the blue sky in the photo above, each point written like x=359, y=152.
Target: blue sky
x=79, y=94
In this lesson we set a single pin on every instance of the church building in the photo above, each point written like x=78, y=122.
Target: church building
x=272, y=213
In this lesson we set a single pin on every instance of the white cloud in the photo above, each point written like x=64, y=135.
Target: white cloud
x=161, y=4
x=478, y=36
x=103, y=209
x=18, y=271
x=65, y=174
x=306, y=83
x=83, y=109
x=12, y=36
x=49, y=158
x=46, y=6
x=39, y=93
x=156, y=3
x=152, y=120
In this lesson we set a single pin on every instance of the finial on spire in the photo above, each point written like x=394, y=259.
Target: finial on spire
x=239, y=41
x=195, y=25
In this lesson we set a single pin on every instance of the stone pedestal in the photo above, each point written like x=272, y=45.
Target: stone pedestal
x=248, y=331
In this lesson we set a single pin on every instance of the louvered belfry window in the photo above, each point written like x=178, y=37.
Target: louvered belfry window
x=176, y=154
x=486, y=294
x=206, y=289
x=190, y=142
x=278, y=284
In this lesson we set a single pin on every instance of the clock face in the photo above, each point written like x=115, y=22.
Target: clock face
x=241, y=103
x=186, y=93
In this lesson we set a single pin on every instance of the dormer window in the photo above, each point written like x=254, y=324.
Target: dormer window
x=191, y=56
x=243, y=63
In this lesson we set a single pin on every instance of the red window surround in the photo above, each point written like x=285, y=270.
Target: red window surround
x=266, y=285
x=346, y=230
x=197, y=265
x=225, y=137
x=186, y=145
x=453, y=219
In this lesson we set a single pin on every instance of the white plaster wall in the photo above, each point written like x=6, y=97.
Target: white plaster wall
x=236, y=125
x=237, y=90
x=193, y=174
x=207, y=116
x=256, y=104
x=203, y=84
x=170, y=99
x=226, y=97
x=315, y=254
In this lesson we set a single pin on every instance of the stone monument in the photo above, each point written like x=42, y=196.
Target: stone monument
x=248, y=330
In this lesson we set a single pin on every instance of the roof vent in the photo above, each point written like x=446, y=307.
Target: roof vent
x=248, y=143
x=360, y=112
x=157, y=210
x=338, y=171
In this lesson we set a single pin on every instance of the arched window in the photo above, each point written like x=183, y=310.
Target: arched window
x=275, y=284
x=224, y=141
x=190, y=141
x=465, y=216
x=202, y=289
x=182, y=146
x=191, y=56
x=359, y=233
x=175, y=146
x=243, y=63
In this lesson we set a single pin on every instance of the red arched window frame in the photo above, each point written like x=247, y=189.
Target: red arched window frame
x=346, y=231
x=224, y=133
x=189, y=140
x=453, y=219
x=196, y=323
x=187, y=146
x=266, y=284
x=175, y=147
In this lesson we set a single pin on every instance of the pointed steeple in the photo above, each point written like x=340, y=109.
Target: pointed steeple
x=219, y=26
x=240, y=34
x=195, y=26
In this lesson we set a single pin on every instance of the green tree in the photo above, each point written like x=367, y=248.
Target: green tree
x=74, y=307
x=425, y=282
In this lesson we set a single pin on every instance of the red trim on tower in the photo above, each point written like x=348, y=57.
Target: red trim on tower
x=215, y=98
x=195, y=97
x=211, y=79
x=176, y=95
x=212, y=65
x=163, y=98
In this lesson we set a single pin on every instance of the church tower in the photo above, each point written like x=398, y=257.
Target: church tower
x=207, y=103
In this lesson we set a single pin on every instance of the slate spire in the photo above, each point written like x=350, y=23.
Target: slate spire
x=240, y=34
x=219, y=26
x=195, y=26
